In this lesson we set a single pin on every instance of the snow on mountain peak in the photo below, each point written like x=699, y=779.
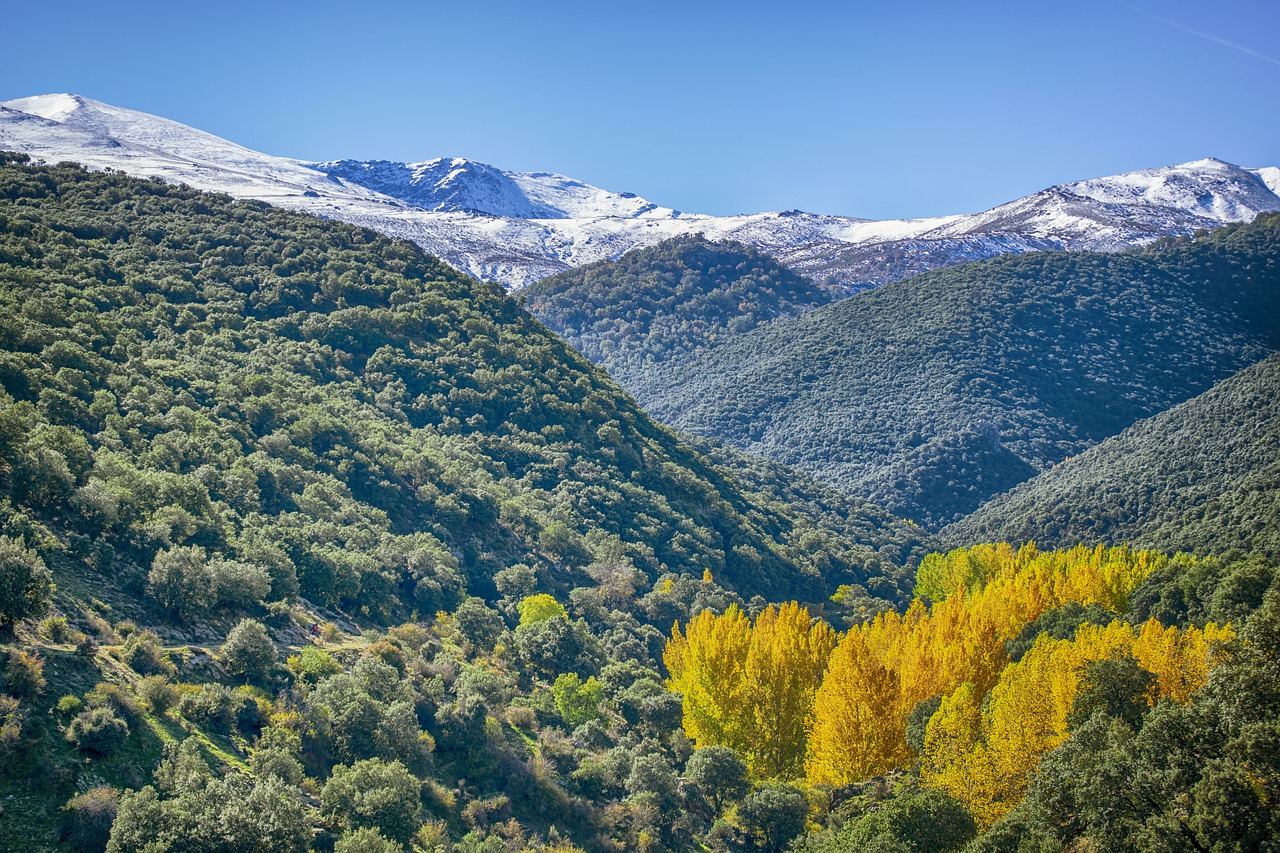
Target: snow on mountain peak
x=517, y=227
x=458, y=184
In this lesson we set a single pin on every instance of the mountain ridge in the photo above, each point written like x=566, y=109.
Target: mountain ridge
x=463, y=218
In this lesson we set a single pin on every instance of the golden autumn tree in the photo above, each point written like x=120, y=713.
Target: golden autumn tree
x=751, y=687
x=706, y=665
x=858, y=730
x=1027, y=712
x=785, y=661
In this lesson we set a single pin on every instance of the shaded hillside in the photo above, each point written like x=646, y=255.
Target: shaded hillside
x=1202, y=477
x=932, y=394
x=668, y=301
x=180, y=369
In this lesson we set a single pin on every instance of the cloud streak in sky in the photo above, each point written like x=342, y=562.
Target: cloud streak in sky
x=1207, y=36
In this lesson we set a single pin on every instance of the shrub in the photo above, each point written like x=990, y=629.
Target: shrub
x=312, y=665
x=212, y=706
x=98, y=731
x=24, y=674
x=142, y=653
x=55, y=629
x=87, y=818
x=158, y=694
x=365, y=841
x=248, y=652
x=70, y=705
x=25, y=583
x=12, y=719
x=181, y=582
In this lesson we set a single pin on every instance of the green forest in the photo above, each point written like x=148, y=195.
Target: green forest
x=309, y=542
x=933, y=394
x=1205, y=474
x=667, y=302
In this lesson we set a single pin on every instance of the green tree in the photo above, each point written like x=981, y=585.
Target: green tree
x=775, y=814
x=248, y=652
x=181, y=582
x=25, y=583
x=577, y=701
x=720, y=774
x=374, y=794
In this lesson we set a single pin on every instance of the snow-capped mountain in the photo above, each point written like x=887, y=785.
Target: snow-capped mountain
x=517, y=227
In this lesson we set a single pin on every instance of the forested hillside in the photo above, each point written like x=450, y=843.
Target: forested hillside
x=933, y=394
x=1201, y=477
x=339, y=521
x=672, y=300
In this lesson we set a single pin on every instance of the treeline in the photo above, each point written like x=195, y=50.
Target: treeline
x=1203, y=476
x=668, y=301
x=933, y=394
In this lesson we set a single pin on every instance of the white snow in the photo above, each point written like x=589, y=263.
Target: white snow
x=517, y=227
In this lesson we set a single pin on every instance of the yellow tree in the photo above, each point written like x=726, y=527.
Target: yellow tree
x=707, y=666
x=858, y=728
x=785, y=660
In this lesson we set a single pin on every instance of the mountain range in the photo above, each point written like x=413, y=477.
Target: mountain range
x=933, y=394
x=518, y=227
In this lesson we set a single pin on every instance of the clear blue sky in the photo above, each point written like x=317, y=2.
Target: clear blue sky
x=884, y=109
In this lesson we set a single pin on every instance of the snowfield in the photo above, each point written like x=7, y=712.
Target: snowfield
x=518, y=227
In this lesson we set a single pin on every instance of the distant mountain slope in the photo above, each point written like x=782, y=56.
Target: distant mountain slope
x=178, y=368
x=518, y=227
x=933, y=394
x=667, y=301
x=1202, y=477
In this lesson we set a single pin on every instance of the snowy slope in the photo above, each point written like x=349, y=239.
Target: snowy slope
x=517, y=227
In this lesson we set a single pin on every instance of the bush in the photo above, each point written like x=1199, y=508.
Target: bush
x=87, y=818
x=98, y=731
x=720, y=774
x=374, y=794
x=312, y=665
x=24, y=674
x=158, y=694
x=181, y=582
x=142, y=653
x=70, y=705
x=365, y=841
x=248, y=652
x=213, y=706
x=25, y=583
x=55, y=629
x=13, y=717
x=776, y=814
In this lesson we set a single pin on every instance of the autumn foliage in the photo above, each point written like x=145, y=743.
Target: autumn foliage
x=796, y=698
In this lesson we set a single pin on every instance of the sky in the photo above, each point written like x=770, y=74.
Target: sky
x=880, y=110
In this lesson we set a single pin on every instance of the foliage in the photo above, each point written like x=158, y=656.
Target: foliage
x=374, y=794
x=1202, y=476
x=248, y=652
x=984, y=753
x=25, y=582
x=916, y=820
x=775, y=813
x=577, y=701
x=98, y=731
x=24, y=674
x=87, y=819
x=540, y=608
x=720, y=774
x=666, y=301
x=751, y=687
x=931, y=395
